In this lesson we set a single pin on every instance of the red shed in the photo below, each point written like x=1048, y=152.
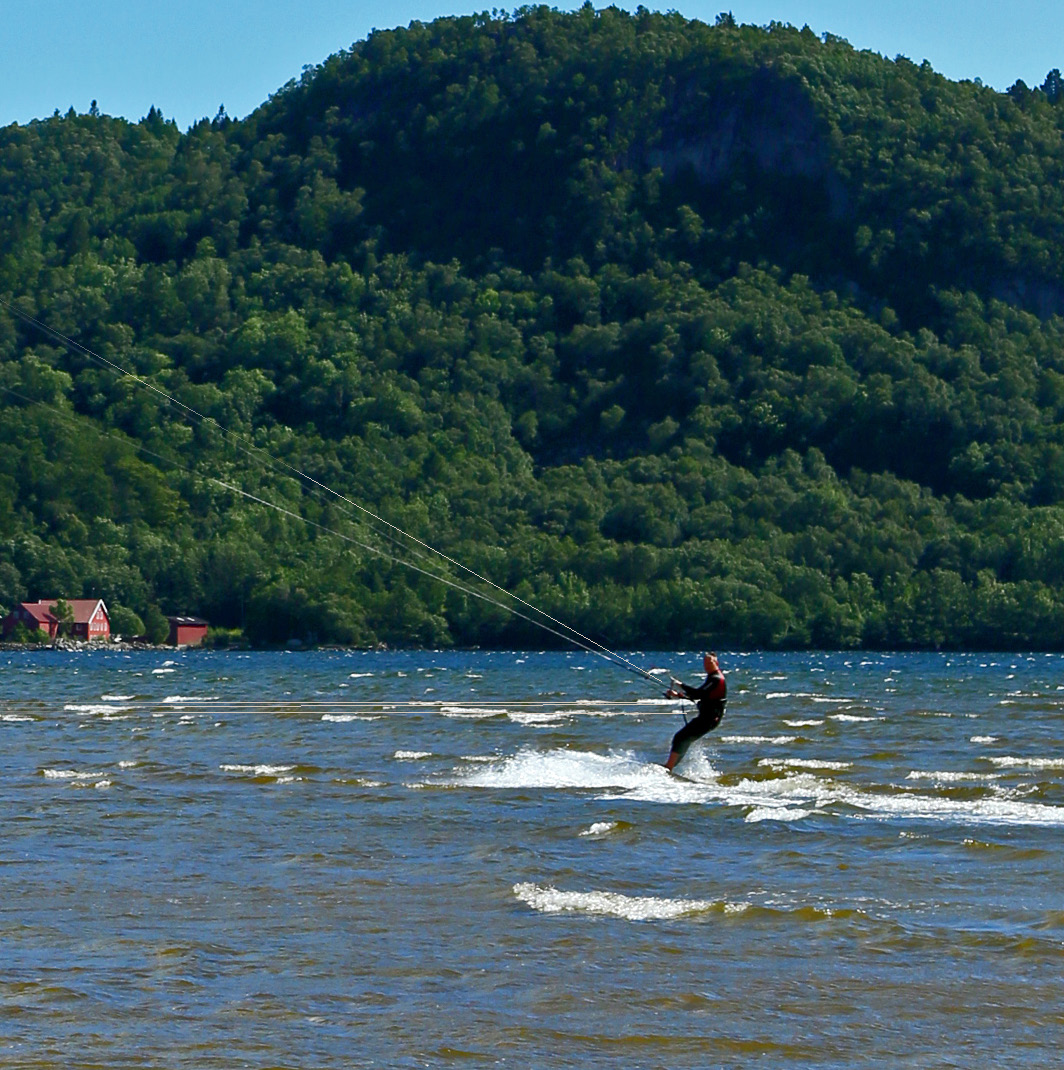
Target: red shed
x=91, y=619
x=187, y=631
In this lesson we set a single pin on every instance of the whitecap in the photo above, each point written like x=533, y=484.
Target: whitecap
x=549, y=900
x=599, y=828
x=951, y=776
x=95, y=708
x=469, y=713
x=411, y=755
x=258, y=770
x=117, y=698
x=538, y=719
x=358, y=675
x=161, y=672
x=983, y=739
x=852, y=717
x=562, y=768
x=776, y=813
x=804, y=763
x=190, y=698
x=778, y=741
x=1027, y=763
x=346, y=718
x=993, y=811
x=804, y=724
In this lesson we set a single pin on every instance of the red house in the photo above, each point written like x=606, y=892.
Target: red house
x=91, y=620
x=186, y=631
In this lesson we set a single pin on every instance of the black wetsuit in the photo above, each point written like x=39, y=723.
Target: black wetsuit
x=711, y=699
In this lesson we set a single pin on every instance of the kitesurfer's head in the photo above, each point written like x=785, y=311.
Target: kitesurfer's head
x=711, y=664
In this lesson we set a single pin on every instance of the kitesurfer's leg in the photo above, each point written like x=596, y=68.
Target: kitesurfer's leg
x=681, y=742
x=694, y=729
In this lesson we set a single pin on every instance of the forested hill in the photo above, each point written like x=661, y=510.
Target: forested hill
x=689, y=334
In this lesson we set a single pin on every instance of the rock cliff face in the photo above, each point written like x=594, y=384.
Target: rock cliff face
x=1042, y=298
x=765, y=120
x=767, y=124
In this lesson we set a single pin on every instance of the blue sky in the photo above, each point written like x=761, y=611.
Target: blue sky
x=189, y=56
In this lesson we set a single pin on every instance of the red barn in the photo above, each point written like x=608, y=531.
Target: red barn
x=187, y=631
x=91, y=620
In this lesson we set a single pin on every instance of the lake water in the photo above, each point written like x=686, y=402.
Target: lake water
x=330, y=859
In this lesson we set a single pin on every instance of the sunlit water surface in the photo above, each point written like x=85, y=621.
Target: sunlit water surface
x=429, y=859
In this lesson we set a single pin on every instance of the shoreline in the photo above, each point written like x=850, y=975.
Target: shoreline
x=123, y=646
x=81, y=645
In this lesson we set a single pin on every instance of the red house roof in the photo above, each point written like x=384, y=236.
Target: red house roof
x=90, y=618
x=40, y=611
x=84, y=609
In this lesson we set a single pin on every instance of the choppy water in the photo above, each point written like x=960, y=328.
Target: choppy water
x=396, y=859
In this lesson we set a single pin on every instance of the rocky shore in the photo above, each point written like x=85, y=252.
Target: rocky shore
x=64, y=644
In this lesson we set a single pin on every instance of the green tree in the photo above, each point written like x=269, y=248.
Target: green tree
x=125, y=623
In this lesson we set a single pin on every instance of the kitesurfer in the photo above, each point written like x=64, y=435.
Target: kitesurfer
x=710, y=699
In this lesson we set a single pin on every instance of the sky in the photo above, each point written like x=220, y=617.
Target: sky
x=188, y=57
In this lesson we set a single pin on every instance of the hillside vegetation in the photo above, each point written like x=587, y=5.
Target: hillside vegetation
x=688, y=334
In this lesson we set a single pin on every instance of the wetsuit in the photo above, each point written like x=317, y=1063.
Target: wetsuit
x=711, y=700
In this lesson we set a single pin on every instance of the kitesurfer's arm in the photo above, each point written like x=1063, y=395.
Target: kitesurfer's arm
x=675, y=691
x=713, y=688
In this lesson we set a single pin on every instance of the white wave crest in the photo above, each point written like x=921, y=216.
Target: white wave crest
x=1027, y=763
x=599, y=828
x=776, y=741
x=995, y=811
x=804, y=763
x=257, y=770
x=776, y=813
x=803, y=790
x=951, y=777
x=550, y=900
x=565, y=769
x=91, y=708
x=533, y=720
x=469, y=713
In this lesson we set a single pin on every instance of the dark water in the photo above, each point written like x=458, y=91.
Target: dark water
x=471, y=859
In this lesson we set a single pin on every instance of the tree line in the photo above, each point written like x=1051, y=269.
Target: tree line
x=686, y=333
